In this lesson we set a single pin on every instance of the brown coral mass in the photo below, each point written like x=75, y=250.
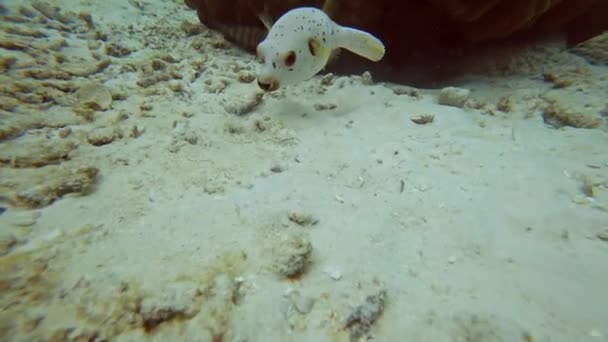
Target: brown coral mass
x=421, y=30
x=426, y=23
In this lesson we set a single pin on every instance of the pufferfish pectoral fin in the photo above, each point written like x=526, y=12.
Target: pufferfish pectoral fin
x=265, y=18
x=361, y=43
x=334, y=56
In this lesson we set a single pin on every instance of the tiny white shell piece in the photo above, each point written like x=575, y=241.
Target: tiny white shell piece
x=333, y=273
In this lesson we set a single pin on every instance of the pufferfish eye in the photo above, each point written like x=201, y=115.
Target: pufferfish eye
x=290, y=58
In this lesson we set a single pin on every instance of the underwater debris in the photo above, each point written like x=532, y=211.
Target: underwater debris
x=94, y=96
x=31, y=280
x=278, y=168
x=245, y=76
x=333, y=272
x=36, y=153
x=302, y=304
x=159, y=69
x=136, y=131
x=29, y=189
x=587, y=185
x=293, y=306
x=52, y=12
x=604, y=111
x=102, y=136
x=158, y=64
x=302, y=219
x=25, y=218
x=191, y=29
x=117, y=50
x=6, y=62
x=603, y=235
x=592, y=185
x=453, y=96
x=235, y=126
x=66, y=73
x=261, y=125
x=409, y=91
x=244, y=105
x=481, y=106
x=148, y=81
x=293, y=256
x=7, y=243
x=324, y=106
x=217, y=84
x=327, y=79
x=366, y=78
x=558, y=80
x=64, y=132
x=360, y=321
x=558, y=117
x=594, y=50
x=36, y=73
x=29, y=277
x=33, y=286
x=505, y=104
x=476, y=327
x=181, y=135
x=174, y=302
x=423, y=119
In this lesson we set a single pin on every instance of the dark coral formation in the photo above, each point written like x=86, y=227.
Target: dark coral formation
x=427, y=41
x=428, y=24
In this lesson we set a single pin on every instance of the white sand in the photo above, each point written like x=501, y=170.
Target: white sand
x=490, y=237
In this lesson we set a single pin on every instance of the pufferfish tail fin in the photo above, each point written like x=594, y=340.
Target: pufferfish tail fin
x=360, y=43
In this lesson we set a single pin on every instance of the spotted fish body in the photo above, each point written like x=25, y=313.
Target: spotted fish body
x=301, y=42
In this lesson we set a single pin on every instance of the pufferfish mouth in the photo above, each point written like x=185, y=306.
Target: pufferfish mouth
x=268, y=84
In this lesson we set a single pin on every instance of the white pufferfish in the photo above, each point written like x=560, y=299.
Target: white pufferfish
x=301, y=42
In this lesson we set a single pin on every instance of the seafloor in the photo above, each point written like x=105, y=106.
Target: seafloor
x=151, y=192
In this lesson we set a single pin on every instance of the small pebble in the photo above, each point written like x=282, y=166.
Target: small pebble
x=452, y=96
x=303, y=304
x=6, y=244
x=595, y=333
x=423, y=119
x=360, y=321
x=366, y=78
x=277, y=168
x=293, y=256
x=333, y=273
x=294, y=300
x=65, y=132
x=327, y=79
x=603, y=235
x=24, y=218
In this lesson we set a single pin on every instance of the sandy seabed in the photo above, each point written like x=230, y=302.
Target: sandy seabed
x=151, y=192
